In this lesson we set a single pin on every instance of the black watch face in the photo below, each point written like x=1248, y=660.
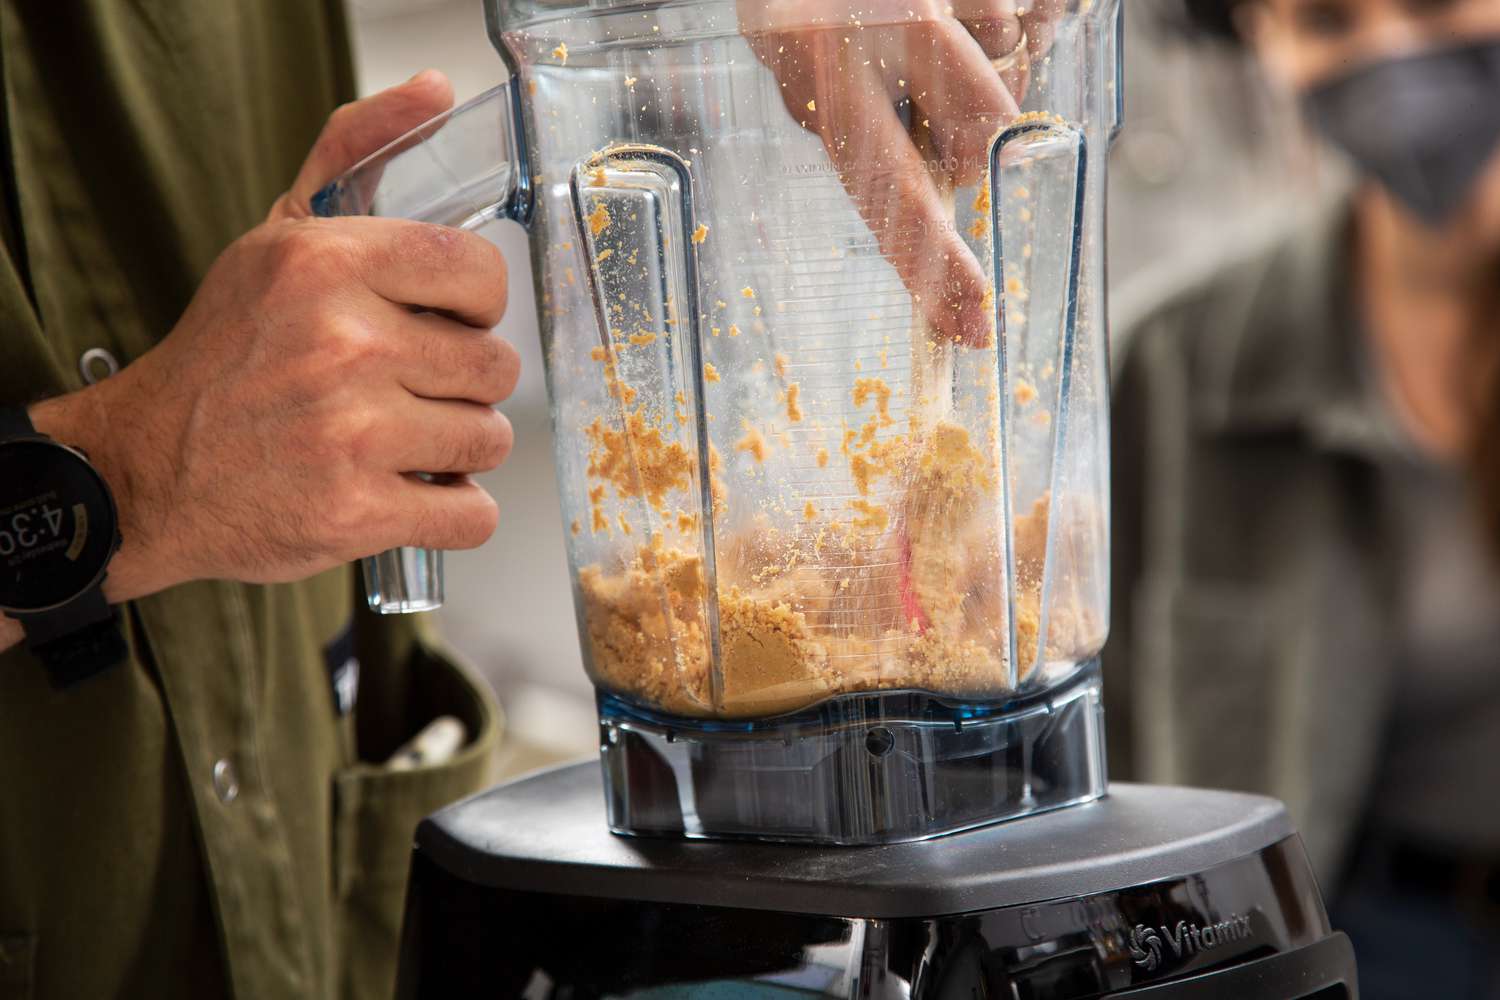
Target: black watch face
x=57, y=525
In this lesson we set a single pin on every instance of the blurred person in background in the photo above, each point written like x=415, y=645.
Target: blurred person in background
x=193, y=797
x=1307, y=494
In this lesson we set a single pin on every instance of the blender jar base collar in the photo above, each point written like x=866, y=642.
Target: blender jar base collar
x=872, y=768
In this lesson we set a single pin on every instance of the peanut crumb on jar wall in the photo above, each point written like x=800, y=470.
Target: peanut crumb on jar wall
x=865, y=388
x=710, y=373
x=600, y=219
x=753, y=443
x=700, y=235
x=869, y=516
x=637, y=460
x=561, y=53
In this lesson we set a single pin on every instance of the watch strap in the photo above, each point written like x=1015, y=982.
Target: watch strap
x=15, y=422
x=78, y=640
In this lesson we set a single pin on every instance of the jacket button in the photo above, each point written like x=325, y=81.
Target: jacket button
x=97, y=364
x=226, y=782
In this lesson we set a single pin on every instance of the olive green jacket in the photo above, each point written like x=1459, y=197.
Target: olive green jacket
x=200, y=821
x=1248, y=646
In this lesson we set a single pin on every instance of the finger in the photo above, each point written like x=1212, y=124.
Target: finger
x=427, y=266
x=362, y=127
x=888, y=182
x=450, y=437
x=439, y=358
x=962, y=97
x=994, y=24
x=1040, y=21
x=452, y=514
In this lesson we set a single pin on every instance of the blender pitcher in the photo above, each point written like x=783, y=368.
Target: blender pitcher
x=822, y=309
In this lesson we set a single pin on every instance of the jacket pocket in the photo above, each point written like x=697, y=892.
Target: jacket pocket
x=17, y=965
x=1205, y=685
x=376, y=812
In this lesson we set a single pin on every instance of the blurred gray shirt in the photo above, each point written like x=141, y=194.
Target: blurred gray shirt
x=1438, y=781
x=1300, y=605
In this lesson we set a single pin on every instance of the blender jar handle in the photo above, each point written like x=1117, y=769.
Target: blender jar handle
x=464, y=168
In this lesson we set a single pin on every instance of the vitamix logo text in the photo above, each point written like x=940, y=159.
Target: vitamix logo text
x=1150, y=946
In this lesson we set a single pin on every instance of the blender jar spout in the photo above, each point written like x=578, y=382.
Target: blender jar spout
x=462, y=168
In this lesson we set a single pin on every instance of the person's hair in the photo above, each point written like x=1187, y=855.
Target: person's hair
x=1213, y=18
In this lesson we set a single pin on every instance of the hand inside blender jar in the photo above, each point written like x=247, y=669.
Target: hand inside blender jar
x=907, y=98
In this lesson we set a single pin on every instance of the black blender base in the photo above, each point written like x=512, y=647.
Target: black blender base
x=1150, y=893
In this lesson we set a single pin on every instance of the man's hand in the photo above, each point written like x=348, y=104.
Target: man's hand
x=907, y=96
x=277, y=430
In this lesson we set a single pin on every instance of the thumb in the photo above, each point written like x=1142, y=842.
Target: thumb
x=357, y=129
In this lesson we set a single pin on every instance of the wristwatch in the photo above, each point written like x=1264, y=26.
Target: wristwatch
x=58, y=532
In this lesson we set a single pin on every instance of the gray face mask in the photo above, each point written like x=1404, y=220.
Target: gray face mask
x=1424, y=126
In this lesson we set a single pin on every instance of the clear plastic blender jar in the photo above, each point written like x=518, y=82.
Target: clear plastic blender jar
x=822, y=304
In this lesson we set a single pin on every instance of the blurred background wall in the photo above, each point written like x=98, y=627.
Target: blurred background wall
x=1195, y=172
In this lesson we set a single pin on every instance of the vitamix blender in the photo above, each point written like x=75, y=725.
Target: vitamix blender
x=822, y=306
